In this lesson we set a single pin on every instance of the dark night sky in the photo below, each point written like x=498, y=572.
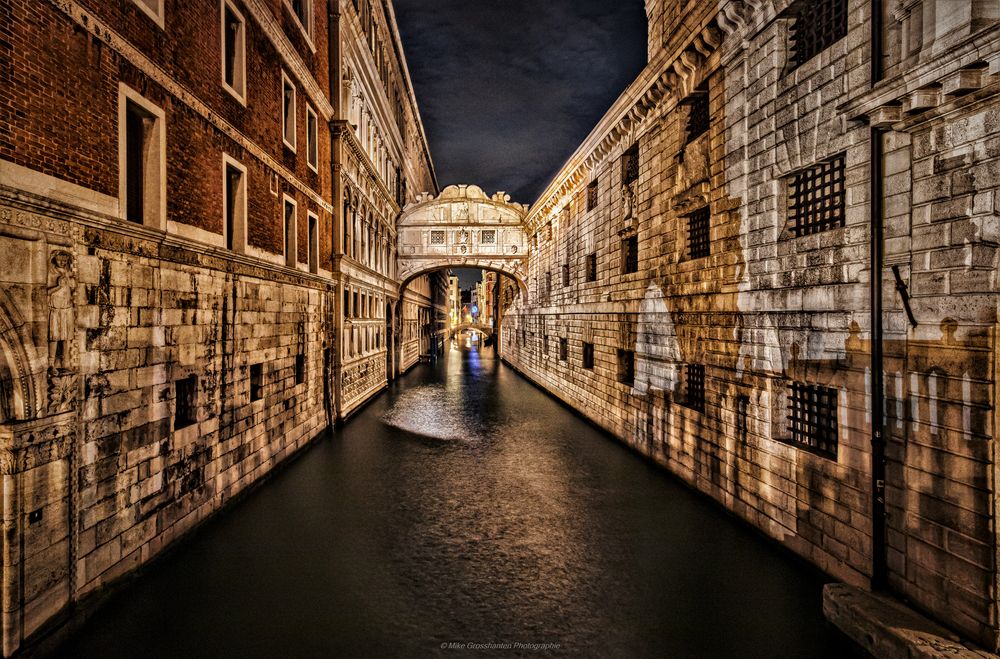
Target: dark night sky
x=509, y=88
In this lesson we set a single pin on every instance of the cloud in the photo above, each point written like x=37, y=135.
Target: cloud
x=508, y=90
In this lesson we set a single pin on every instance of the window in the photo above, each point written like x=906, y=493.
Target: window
x=818, y=24
x=256, y=381
x=312, y=140
x=313, y=243
x=437, y=237
x=291, y=240
x=694, y=387
x=699, y=240
x=545, y=345
x=630, y=164
x=234, y=52
x=548, y=285
x=234, y=204
x=141, y=160
x=300, y=368
x=591, y=267
x=488, y=237
x=742, y=417
x=302, y=9
x=287, y=111
x=563, y=349
x=698, y=119
x=565, y=274
x=185, y=402
x=592, y=195
x=153, y=9
x=630, y=254
x=816, y=197
x=626, y=366
x=588, y=356
x=812, y=417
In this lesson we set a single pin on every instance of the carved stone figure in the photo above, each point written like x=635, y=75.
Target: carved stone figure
x=628, y=202
x=61, y=315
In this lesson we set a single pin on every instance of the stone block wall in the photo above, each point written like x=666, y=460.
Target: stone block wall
x=766, y=309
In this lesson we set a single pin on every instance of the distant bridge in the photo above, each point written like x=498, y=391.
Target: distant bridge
x=469, y=327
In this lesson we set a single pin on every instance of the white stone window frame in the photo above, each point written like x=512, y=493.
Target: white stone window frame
x=312, y=226
x=290, y=233
x=240, y=74
x=286, y=80
x=308, y=30
x=312, y=139
x=155, y=208
x=240, y=220
x=156, y=12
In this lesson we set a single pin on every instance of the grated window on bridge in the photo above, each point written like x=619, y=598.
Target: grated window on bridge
x=437, y=237
x=592, y=195
x=698, y=117
x=256, y=381
x=694, y=387
x=818, y=24
x=816, y=197
x=488, y=237
x=588, y=356
x=626, y=367
x=185, y=403
x=812, y=417
x=563, y=349
x=630, y=254
x=591, y=267
x=630, y=164
x=699, y=239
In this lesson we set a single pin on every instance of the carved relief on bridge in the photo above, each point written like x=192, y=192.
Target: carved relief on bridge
x=463, y=227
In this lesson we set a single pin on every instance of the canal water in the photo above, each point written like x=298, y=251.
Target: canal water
x=465, y=508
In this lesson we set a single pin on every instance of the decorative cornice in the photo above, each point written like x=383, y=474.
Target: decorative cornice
x=154, y=72
x=670, y=74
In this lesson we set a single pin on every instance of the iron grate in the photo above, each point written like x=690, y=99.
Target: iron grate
x=630, y=254
x=698, y=118
x=591, y=267
x=812, y=417
x=816, y=197
x=818, y=25
x=694, y=386
x=699, y=239
x=588, y=356
x=630, y=164
x=592, y=195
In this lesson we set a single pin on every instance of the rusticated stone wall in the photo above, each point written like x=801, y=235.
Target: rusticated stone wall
x=766, y=309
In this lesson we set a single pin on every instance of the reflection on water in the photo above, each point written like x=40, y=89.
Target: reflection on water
x=465, y=506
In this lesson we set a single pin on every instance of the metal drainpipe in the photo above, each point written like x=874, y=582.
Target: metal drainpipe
x=879, y=580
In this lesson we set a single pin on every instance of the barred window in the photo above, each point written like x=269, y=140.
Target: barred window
x=812, y=417
x=626, y=366
x=591, y=267
x=588, y=356
x=694, y=387
x=185, y=403
x=488, y=237
x=818, y=25
x=630, y=164
x=256, y=381
x=816, y=197
x=592, y=195
x=545, y=344
x=699, y=239
x=548, y=285
x=563, y=349
x=742, y=417
x=698, y=118
x=565, y=274
x=630, y=254
x=300, y=368
x=437, y=237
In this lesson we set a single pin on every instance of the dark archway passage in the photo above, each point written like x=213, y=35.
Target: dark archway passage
x=466, y=506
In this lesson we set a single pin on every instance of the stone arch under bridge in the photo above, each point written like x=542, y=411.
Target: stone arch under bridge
x=463, y=227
